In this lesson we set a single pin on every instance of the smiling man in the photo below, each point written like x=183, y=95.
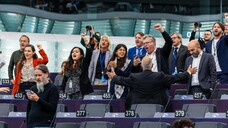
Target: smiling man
x=16, y=56
x=159, y=56
x=218, y=47
x=138, y=50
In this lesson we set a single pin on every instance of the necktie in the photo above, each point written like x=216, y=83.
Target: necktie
x=139, y=52
x=174, y=64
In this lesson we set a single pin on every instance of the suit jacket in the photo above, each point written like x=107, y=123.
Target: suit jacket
x=132, y=52
x=182, y=54
x=148, y=87
x=222, y=52
x=43, y=60
x=206, y=71
x=93, y=63
x=162, y=55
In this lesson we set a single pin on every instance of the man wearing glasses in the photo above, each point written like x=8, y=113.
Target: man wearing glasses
x=159, y=56
x=178, y=54
x=207, y=37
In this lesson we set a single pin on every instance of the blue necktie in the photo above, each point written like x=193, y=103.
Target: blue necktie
x=139, y=52
x=174, y=64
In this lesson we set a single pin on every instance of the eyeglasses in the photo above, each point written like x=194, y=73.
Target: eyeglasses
x=174, y=37
x=146, y=43
x=207, y=34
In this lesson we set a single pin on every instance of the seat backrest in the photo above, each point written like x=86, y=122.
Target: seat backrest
x=181, y=92
x=97, y=92
x=151, y=125
x=97, y=124
x=3, y=124
x=198, y=110
x=95, y=110
x=67, y=125
x=146, y=110
x=210, y=125
x=61, y=108
x=219, y=92
x=5, y=108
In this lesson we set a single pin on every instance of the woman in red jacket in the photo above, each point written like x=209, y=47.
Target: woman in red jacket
x=25, y=77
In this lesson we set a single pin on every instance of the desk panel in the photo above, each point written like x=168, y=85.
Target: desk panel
x=16, y=122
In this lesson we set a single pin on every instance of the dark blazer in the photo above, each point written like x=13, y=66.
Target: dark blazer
x=182, y=54
x=222, y=52
x=85, y=85
x=148, y=87
x=132, y=52
x=162, y=56
x=206, y=71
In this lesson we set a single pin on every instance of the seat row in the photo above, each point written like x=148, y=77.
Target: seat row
x=137, y=110
x=104, y=124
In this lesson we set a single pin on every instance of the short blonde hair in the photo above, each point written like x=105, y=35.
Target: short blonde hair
x=109, y=42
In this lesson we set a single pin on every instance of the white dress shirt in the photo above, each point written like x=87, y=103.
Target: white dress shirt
x=154, y=60
x=214, y=53
x=196, y=63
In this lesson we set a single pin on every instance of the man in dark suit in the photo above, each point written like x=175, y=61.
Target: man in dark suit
x=148, y=87
x=178, y=54
x=159, y=56
x=204, y=79
x=138, y=50
x=218, y=47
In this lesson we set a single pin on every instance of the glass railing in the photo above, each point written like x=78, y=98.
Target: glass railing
x=196, y=7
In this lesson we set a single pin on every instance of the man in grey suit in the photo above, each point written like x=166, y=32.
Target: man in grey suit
x=204, y=79
x=148, y=87
x=178, y=54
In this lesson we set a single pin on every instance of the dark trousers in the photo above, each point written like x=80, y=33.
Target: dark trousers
x=197, y=89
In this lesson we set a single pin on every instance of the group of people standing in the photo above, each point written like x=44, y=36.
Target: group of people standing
x=141, y=74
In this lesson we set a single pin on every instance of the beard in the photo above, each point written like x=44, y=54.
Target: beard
x=217, y=34
x=40, y=86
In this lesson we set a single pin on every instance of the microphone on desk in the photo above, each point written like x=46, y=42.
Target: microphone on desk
x=166, y=105
x=22, y=124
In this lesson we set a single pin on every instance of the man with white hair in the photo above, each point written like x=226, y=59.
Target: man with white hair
x=148, y=87
x=178, y=54
x=43, y=100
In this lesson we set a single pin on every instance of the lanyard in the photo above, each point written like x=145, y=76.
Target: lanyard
x=102, y=58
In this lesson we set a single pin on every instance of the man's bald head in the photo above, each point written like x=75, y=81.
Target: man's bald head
x=194, y=43
x=194, y=48
x=147, y=63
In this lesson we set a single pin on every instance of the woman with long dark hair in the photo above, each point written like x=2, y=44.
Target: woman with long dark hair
x=75, y=81
x=122, y=67
x=25, y=77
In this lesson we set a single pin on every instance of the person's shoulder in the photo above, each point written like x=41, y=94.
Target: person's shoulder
x=207, y=54
x=184, y=46
x=17, y=51
x=132, y=48
x=96, y=51
x=52, y=86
